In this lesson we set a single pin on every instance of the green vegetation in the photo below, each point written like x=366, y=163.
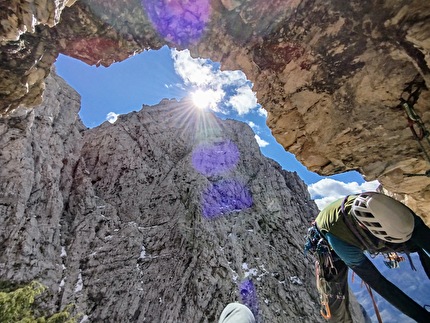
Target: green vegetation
x=17, y=305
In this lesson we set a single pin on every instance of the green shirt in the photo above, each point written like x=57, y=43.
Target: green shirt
x=331, y=219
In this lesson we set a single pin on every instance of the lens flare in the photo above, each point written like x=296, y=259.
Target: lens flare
x=248, y=295
x=181, y=22
x=207, y=99
x=223, y=197
x=215, y=158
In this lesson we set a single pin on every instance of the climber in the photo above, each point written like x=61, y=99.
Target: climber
x=370, y=222
x=236, y=313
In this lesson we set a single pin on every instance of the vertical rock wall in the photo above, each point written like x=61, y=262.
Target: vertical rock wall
x=157, y=218
x=39, y=149
x=195, y=231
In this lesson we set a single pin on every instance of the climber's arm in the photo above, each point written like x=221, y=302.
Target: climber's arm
x=363, y=267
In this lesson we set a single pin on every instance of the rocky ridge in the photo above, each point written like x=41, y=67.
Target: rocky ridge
x=156, y=218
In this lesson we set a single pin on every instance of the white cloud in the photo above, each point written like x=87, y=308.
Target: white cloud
x=261, y=142
x=262, y=112
x=199, y=73
x=112, y=117
x=328, y=190
x=194, y=71
x=252, y=125
x=243, y=101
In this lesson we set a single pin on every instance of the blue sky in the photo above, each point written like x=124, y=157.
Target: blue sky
x=151, y=76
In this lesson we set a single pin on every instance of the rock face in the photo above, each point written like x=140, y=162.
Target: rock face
x=39, y=152
x=331, y=74
x=159, y=217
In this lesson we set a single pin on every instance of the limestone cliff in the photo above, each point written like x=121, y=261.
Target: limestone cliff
x=156, y=218
x=331, y=74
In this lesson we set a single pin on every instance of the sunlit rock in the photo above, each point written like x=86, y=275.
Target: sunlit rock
x=333, y=76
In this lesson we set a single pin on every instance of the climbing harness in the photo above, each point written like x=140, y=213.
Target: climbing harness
x=415, y=123
x=312, y=239
x=318, y=246
x=320, y=249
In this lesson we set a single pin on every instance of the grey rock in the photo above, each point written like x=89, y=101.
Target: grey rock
x=158, y=217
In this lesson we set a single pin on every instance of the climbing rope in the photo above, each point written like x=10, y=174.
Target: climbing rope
x=372, y=297
x=415, y=123
x=375, y=306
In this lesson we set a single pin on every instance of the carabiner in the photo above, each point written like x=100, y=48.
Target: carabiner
x=325, y=311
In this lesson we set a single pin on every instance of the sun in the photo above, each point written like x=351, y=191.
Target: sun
x=206, y=99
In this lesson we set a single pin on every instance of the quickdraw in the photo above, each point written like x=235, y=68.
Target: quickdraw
x=321, y=251
x=413, y=91
x=325, y=308
x=392, y=260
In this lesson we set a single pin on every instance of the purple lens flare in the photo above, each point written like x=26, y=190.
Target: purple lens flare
x=248, y=295
x=225, y=196
x=181, y=22
x=216, y=158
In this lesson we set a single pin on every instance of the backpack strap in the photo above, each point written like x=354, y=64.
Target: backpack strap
x=351, y=226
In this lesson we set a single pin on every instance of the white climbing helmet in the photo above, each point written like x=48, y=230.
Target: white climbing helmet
x=384, y=217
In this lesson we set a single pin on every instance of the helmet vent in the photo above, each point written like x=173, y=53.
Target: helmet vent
x=366, y=214
x=360, y=203
x=392, y=239
x=383, y=216
x=372, y=224
x=380, y=233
